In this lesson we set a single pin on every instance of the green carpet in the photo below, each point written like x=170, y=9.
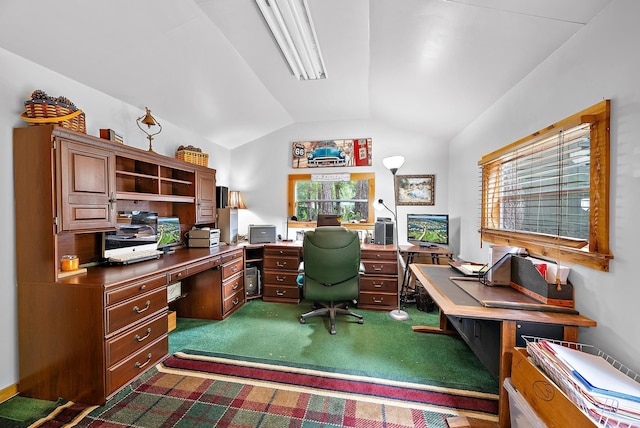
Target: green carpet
x=381, y=346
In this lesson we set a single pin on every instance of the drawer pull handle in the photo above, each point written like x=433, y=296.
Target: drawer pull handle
x=179, y=274
x=378, y=285
x=234, y=268
x=378, y=268
x=378, y=301
x=141, y=365
x=280, y=278
x=281, y=292
x=235, y=286
x=281, y=264
x=143, y=286
x=141, y=339
x=139, y=311
x=236, y=301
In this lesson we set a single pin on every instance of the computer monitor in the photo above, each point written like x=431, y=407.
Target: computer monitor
x=135, y=231
x=328, y=220
x=169, y=235
x=428, y=230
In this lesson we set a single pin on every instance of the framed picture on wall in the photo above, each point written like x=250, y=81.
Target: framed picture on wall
x=325, y=153
x=415, y=189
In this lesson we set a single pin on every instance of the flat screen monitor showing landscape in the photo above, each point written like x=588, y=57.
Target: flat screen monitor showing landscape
x=135, y=231
x=168, y=233
x=428, y=229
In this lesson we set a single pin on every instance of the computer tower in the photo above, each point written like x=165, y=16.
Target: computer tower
x=252, y=281
x=222, y=196
x=228, y=225
x=383, y=232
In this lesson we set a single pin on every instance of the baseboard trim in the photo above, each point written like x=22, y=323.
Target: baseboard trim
x=8, y=392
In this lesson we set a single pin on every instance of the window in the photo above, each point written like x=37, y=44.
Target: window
x=349, y=196
x=549, y=192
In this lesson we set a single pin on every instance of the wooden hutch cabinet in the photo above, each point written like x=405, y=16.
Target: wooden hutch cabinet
x=83, y=337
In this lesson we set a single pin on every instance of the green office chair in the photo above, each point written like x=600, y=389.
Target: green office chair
x=330, y=271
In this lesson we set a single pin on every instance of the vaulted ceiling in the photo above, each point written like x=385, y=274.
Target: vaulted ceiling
x=211, y=66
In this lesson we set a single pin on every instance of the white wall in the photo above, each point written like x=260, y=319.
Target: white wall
x=599, y=62
x=18, y=78
x=261, y=168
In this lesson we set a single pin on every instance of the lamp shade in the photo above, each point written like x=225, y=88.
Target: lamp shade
x=393, y=163
x=235, y=200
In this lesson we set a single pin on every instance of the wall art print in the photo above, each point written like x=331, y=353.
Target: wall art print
x=330, y=153
x=415, y=189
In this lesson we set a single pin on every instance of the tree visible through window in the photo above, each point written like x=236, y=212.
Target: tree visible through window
x=349, y=199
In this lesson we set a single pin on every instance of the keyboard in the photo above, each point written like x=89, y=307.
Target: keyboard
x=134, y=257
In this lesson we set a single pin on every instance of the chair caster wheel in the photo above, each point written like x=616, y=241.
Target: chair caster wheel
x=303, y=321
x=360, y=321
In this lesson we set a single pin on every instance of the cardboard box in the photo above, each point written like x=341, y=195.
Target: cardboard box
x=551, y=405
x=172, y=320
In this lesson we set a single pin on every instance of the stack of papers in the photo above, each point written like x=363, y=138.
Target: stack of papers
x=603, y=391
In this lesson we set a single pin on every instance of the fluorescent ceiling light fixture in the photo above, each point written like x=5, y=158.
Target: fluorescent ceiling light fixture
x=292, y=28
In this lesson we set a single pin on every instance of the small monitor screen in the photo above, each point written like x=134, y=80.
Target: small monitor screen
x=428, y=229
x=168, y=233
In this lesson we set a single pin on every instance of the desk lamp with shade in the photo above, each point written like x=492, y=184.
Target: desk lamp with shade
x=393, y=164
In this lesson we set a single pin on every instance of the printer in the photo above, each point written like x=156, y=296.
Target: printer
x=262, y=234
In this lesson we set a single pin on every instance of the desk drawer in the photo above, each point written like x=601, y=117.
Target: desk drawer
x=136, y=289
x=380, y=267
x=200, y=266
x=377, y=301
x=231, y=255
x=232, y=268
x=280, y=278
x=289, y=263
x=378, y=255
x=281, y=251
x=134, y=340
x=130, y=368
x=232, y=302
x=132, y=311
x=281, y=293
x=232, y=285
x=377, y=284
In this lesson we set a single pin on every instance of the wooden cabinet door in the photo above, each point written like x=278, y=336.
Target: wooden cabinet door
x=205, y=197
x=86, y=177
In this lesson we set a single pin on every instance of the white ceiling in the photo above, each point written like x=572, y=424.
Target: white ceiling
x=429, y=66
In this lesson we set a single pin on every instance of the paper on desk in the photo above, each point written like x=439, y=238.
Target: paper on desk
x=597, y=374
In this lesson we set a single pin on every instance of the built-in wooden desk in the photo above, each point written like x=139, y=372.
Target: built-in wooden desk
x=491, y=333
x=86, y=336
x=278, y=263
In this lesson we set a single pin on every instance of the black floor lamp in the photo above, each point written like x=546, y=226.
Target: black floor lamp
x=393, y=163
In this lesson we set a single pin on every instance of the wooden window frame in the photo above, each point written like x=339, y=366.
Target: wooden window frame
x=354, y=176
x=597, y=254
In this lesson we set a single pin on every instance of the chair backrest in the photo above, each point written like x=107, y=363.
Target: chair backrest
x=331, y=255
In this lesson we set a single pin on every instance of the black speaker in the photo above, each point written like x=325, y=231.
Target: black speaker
x=222, y=195
x=383, y=232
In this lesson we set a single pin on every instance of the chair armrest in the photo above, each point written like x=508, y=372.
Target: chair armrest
x=361, y=269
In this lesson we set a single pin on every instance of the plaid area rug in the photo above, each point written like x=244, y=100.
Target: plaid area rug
x=177, y=400
x=352, y=385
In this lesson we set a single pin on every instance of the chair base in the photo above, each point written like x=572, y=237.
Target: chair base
x=332, y=309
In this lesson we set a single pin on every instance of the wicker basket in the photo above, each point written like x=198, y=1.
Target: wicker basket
x=191, y=156
x=44, y=112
